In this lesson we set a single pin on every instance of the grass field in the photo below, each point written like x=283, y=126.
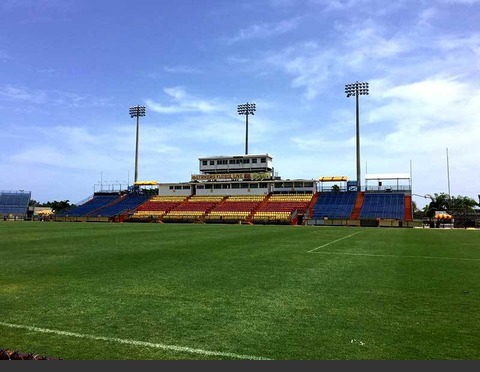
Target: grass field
x=111, y=291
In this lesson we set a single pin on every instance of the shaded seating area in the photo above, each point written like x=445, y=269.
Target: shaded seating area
x=334, y=205
x=14, y=204
x=280, y=208
x=385, y=205
x=235, y=208
x=193, y=208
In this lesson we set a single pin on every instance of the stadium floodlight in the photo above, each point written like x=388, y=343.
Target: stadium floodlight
x=357, y=89
x=246, y=109
x=137, y=111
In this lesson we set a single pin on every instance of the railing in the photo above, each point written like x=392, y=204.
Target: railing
x=388, y=188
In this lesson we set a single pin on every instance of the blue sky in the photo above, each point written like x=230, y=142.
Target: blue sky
x=70, y=70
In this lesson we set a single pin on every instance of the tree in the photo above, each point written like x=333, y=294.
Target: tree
x=417, y=213
x=59, y=205
x=33, y=203
x=460, y=207
x=439, y=202
x=463, y=209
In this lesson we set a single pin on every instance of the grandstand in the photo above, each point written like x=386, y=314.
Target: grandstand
x=237, y=208
x=104, y=207
x=125, y=204
x=334, y=205
x=245, y=189
x=92, y=205
x=383, y=205
x=194, y=208
x=380, y=205
x=157, y=206
x=282, y=208
x=14, y=204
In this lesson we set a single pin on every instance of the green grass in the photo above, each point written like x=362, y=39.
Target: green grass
x=132, y=291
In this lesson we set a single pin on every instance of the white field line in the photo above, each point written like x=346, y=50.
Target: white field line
x=334, y=241
x=399, y=256
x=136, y=343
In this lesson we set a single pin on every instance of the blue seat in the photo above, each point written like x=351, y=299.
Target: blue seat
x=92, y=205
x=383, y=205
x=334, y=205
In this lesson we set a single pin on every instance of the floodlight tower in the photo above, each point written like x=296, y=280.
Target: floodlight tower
x=357, y=89
x=246, y=109
x=137, y=111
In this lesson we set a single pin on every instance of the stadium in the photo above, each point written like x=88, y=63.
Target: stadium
x=242, y=189
x=237, y=263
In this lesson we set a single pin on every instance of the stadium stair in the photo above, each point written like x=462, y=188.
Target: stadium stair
x=311, y=204
x=261, y=205
x=358, y=206
x=408, y=208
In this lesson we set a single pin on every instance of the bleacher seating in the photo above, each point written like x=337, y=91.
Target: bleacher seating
x=334, y=205
x=386, y=205
x=14, y=203
x=97, y=202
x=193, y=208
x=280, y=207
x=272, y=208
x=123, y=205
x=235, y=208
x=157, y=206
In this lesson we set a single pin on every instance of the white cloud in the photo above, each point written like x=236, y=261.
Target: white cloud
x=69, y=148
x=423, y=98
x=308, y=63
x=183, y=102
x=418, y=121
x=181, y=70
x=312, y=65
x=316, y=143
x=265, y=30
x=51, y=97
x=461, y=2
x=237, y=60
x=428, y=103
x=21, y=94
x=369, y=7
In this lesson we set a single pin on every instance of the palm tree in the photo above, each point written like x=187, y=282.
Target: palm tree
x=459, y=207
x=417, y=213
x=439, y=202
x=462, y=208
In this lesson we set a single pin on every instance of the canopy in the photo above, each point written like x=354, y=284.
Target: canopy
x=388, y=176
x=333, y=179
x=442, y=215
x=146, y=183
x=45, y=212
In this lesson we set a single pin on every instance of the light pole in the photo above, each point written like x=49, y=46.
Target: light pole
x=448, y=176
x=137, y=111
x=246, y=109
x=357, y=89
